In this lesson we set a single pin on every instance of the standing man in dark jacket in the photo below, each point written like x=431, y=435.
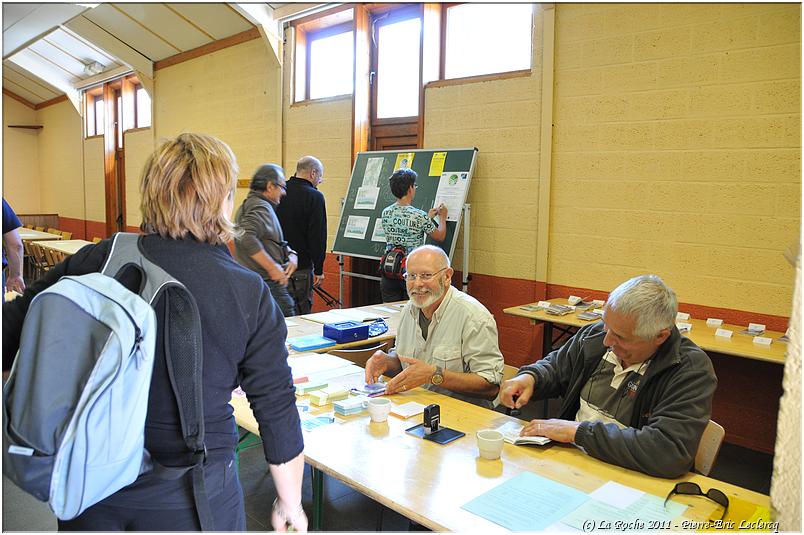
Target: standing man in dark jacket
x=303, y=216
x=261, y=246
x=636, y=393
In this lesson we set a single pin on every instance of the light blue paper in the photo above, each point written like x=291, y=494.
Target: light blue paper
x=526, y=502
x=645, y=514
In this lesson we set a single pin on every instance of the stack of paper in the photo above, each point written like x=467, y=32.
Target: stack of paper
x=305, y=388
x=406, y=410
x=349, y=406
x=511, y=430
x=328, y=395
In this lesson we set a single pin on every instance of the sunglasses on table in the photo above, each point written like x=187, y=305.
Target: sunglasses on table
x=689, y=488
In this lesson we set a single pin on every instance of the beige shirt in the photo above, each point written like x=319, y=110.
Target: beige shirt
x=462, y=337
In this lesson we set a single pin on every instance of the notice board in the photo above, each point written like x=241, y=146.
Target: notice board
x=444, y=175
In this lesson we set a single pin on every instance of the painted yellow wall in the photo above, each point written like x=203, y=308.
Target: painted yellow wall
x=677, y=149
x=138, y=145
x=94, y=180
x=502, y=118
x=21, y=157
x=233, y=94
x=61, y=161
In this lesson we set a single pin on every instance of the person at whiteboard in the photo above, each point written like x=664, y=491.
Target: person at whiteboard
x=406, y=227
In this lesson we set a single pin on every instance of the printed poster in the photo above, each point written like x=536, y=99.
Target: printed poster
x=379, y=232
x=366, y=198
x=452, y=192
x=373, y=171
x=404, y=160
x=437, y=163
x=356, y=227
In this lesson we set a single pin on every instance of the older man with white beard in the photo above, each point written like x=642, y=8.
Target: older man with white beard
x=446, y=341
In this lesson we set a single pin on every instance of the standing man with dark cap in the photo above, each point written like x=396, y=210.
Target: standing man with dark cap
x=261, y=246
x=303, y=216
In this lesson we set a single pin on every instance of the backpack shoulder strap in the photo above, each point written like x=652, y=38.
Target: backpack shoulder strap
x=183, y=355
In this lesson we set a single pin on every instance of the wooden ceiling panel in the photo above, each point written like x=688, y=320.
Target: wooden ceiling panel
x=53, y=73
x=167, y=24
x=128, y=30
x=17, y=89
x=217, y=20
x=30, y=83
x=58, y=57
x=13, y=70
x=79, y=48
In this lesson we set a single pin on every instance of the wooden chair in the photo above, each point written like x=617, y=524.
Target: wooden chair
x=96, y=240
x=27, y=260
x=54, y=231
x=709, y=447
x=40, y=229
x=29, y=226
x=360, y=355
x=40, y=265
x=66, y=235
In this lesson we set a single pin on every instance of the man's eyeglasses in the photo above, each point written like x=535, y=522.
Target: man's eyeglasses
x=410, y=277
x=693, y=489
x=284, y=188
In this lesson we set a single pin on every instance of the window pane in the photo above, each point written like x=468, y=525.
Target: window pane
x=143, y=108
x=119, y=122
x=331, y=65
x=488, y=38
x=99, y=117
x=90, y=116
x=398, y=69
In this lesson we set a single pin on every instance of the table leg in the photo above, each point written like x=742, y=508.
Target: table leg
x=318, y=498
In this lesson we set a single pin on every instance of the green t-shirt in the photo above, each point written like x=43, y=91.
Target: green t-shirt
x=406, y=226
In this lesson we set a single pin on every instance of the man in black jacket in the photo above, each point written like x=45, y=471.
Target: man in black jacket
x=636, y=393
x=303, y=216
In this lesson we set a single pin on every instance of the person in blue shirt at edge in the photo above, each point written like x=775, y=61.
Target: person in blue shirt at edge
x=12, y=246
x=635, y=392
x=405, y=225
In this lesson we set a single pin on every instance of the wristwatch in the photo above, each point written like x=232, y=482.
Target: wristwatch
x=438, y=376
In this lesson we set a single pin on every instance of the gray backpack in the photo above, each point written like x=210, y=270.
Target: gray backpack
x=75, y=403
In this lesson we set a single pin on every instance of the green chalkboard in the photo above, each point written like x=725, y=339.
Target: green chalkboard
x=447, y=170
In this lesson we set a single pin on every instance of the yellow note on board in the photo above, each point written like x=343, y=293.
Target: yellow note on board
x=437, y=163
x=404, y=160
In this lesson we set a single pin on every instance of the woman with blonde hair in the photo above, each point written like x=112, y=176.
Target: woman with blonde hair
x=187, y=192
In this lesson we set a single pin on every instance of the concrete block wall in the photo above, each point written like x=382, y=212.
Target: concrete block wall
x=61, y=161
x=139, y=144
x=233, y=94
x=21, y=164
x=677, y=149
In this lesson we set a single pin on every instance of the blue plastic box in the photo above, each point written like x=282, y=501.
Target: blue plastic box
x=346, y=331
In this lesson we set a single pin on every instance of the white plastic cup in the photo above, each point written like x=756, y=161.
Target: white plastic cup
x=378, y=408
x=490, y=443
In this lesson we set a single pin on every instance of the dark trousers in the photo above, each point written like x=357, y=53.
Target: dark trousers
x=393, y=290
x=225, y=500
x=300, y=287
x=282, y=297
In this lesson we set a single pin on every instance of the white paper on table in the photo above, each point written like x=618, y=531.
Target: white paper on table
x=386, y=309
x=290, y=323
x=366, y=198
x=379, y=233
x=356, y=226
x=616, y=494
x=406, y=410
x=372, y=173
x=328, y=316
x=452, y=192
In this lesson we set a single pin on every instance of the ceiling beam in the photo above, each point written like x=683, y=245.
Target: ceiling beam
x=262, y=16
x=111, y=45
x=290, y=12
x=18, y=98
x=39, y=22
x=48, y=72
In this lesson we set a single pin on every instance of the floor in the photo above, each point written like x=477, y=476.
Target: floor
x=347, y=510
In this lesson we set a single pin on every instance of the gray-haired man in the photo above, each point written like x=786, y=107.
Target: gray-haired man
x=635, y=392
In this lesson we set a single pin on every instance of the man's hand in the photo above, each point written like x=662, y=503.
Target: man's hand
x=376, y=366
x=15, y=283
x=318, y=279
x=416, y=374
x=283, y=518
x=293, y=263
x=557, y=430
x=516, y=392
x=431, y=213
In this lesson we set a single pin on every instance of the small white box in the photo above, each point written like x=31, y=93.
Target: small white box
x=574, y=300
x=682, y=316
x=713, y=322
x=544, y=304
x=684, y=327
x=598, y=311
x=756, y=327
x=724, y=333
x=598, y=302
x=762, y=340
